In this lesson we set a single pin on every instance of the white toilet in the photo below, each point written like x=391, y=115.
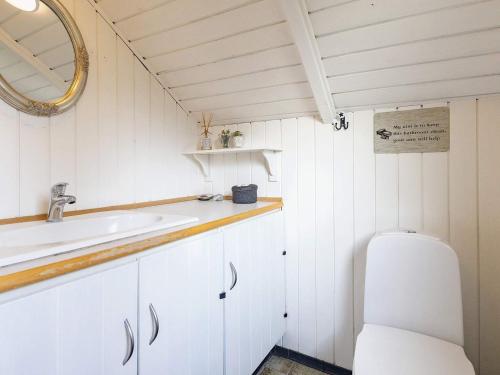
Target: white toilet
x=413, y=322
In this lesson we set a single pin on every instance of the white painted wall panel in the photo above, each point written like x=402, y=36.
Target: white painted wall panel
x=387, y=191
x=157, y=144
x=172, y=185
x=273, y=140
x=259, y=174
x=410, y=191
x=364, y=206
x=9, y=161
x=291, y=218
x=488, y=117
x=93, y=145
x=464, y=215
x=434, y=193
x=34, y=164
x=230, y=166
x=108, y=127
x=87, y=121
x=325, y=254
x=343, y=201
x=194, y=184
x=244, y=173
x=63, y=139
x=217, y=163
x=306, y=199
x=125, y=121
x=142, y=132
x=63, y=150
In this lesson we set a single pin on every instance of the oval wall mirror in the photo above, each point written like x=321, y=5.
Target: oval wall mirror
x=43, y=59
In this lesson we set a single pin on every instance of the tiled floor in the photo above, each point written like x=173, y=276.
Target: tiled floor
x=282, y=366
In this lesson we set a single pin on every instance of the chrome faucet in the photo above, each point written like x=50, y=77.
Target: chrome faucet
x=57, y=202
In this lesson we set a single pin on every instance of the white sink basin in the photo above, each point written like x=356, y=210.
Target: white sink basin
x=37, y=240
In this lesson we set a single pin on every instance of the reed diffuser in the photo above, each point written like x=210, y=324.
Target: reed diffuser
x=206, y=122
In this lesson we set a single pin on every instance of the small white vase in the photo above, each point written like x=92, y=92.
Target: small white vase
x=206, y=143
x=238, y=141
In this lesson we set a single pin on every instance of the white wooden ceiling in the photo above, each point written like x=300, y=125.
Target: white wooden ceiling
x=36, y=55
x=235, y=58
x=239, y=60
x=401, y=52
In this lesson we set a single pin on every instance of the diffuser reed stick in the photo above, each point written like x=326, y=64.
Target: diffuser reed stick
x=206, y=122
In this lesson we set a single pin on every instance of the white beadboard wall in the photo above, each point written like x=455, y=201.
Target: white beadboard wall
x=122, y=142
x=338, y=193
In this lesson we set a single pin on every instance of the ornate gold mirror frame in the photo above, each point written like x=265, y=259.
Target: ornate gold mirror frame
x=37, y=108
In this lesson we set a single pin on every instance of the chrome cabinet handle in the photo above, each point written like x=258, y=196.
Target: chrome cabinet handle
x=156, y=323
x=234, y=276
x=130, y=342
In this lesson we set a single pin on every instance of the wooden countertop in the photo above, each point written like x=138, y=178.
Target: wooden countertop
x=211, y=215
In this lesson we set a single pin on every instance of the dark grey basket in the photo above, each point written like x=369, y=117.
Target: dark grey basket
x=244, y=194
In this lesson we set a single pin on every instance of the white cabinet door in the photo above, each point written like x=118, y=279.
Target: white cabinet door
x=180, y=312
x=93, y=315
x=276, y=235
x=28, y=335
x=255, y=284
x=238, y=304
x=76, y=328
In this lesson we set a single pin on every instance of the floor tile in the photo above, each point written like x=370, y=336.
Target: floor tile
x=280, y=364
x=270, y=371
x=299, y=369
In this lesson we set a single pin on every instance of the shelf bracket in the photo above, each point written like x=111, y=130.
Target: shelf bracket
x=269, y=159
x=270, y=163
x=204, y=163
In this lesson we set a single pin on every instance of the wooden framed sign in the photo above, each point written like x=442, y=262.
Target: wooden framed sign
x=418, y=130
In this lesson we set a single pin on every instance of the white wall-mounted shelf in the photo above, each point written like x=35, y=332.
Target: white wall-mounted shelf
x=268, y=154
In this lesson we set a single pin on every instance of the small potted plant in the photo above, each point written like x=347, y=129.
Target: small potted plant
x=225, y=136
x=238, y=139
x=206, y=122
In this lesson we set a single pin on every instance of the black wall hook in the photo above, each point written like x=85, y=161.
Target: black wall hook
x=341, y=123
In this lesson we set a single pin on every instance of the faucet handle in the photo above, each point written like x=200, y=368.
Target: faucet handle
x=58, y=189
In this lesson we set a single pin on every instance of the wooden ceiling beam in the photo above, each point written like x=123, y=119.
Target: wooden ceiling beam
x=303, y=34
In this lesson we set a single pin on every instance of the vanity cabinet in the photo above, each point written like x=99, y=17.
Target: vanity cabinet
x=85, y=326
x=180, y=312
x=97, y=323
x=188, y=327
x=28, y=335
x=211, y=304
x=255, y=283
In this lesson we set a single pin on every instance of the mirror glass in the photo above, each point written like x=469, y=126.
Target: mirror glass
x=36, y=54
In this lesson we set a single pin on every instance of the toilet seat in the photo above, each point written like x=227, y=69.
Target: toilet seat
x=382, y=350
x=413, y=322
